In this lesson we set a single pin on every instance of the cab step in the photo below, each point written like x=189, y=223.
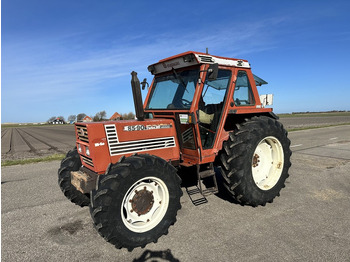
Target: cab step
x=196, y=196
x=207, y=173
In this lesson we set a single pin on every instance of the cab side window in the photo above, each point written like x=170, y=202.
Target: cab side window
x=243, y=95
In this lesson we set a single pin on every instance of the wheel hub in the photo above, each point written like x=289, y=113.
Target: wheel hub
x=145, y=204
x=267, y=163
x=256, y=160
x=142, y=202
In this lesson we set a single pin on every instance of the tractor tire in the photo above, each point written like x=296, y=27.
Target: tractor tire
x=136, y=201
x=71, y=163
x=255, y=161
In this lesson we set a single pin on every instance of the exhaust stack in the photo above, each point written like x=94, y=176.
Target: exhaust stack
x=136, y=92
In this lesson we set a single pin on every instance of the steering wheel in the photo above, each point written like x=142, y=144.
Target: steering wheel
x=185, y=102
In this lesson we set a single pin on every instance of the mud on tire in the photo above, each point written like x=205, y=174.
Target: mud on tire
x=71, y=163
x=136, y=201
x=255, y=161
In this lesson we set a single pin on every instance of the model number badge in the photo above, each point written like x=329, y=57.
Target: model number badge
x=146, y=127
x=134, y=128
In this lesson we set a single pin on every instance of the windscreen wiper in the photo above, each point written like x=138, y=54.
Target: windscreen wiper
x=177, y=76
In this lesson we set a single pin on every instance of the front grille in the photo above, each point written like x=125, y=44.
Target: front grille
x=82, y=133
x=87, y=160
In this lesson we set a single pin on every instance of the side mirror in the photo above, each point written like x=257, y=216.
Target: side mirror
x=144, y=84
x=213, y=71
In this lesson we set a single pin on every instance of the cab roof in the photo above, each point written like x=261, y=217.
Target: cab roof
x=191, y=58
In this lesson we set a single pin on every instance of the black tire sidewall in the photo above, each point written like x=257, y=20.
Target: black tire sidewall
x=237, y=156
x=111, y=217
x=256, y=138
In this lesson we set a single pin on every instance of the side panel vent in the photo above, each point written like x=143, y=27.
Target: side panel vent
x=119, y=148
x=112, y=137
x=142, y=145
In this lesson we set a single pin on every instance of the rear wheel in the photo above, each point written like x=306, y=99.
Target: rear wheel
x=71, y=163
x=136, y=201
x=255, y=161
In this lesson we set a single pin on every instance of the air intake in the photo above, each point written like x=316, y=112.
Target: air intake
x=206, y=59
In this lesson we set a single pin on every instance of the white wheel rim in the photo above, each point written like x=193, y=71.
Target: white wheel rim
x=267, y=163
x=145, y=204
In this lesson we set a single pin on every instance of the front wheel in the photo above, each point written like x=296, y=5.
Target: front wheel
x=136, y=201
x=255, y=161
x=71, y=163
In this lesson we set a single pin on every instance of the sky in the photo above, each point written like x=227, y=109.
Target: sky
x=61, y=58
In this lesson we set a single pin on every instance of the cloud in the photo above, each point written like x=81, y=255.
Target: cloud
x=45, y=69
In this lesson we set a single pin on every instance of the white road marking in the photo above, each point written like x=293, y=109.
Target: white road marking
x=333, y=138
x=296, y=145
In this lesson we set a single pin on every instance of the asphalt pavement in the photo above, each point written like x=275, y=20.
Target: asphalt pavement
x=310, y=221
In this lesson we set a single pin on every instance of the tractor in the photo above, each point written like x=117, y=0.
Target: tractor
x=201, y=112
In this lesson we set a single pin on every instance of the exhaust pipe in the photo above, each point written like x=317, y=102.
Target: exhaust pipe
x=136, y=92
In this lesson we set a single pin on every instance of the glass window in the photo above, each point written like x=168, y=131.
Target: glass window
x=214, y=90
x=174, y=91
x=243, y=92
x=211, y=105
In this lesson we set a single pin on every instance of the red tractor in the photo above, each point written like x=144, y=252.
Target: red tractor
x=201, y=111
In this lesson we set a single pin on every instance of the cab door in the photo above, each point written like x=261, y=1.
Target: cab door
x=211, y=106
x=187, y=127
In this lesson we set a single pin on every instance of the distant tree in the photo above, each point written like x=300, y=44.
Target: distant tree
x=96, y=118
x=51, y=119
x=72, y=118
x=124, y=116
x=81, y=116
x=131, y=115
x=100, y=116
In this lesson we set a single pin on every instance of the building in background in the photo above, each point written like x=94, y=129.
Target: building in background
x=115, y=117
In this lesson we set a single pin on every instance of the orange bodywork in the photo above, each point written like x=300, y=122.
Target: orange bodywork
x=107, y=142
x=164, y=135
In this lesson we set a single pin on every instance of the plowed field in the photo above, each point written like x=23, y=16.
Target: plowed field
x=38, y=141
x=34, y=142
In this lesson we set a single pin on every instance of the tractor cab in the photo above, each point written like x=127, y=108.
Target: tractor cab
x=200, y=92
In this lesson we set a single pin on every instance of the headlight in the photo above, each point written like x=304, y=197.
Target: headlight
x=79, y=148
x=87, y=151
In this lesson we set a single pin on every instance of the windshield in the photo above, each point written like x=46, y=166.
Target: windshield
x=174, y=91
